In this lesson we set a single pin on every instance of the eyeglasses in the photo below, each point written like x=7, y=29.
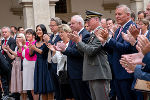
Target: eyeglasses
x=52, y=25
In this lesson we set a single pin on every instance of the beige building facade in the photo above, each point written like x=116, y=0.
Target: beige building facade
x=29, y=13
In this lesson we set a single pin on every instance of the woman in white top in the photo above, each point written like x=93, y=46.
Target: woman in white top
x=29, y=63
x=61, y=60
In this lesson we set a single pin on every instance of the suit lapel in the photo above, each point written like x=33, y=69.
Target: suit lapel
x=2, y=42
x=70, y=43
x=52, y=36
x=56, y=39
x=9, y=41
x=116, y=33
x=148, y=35
x=125, y=28
x=81, y=32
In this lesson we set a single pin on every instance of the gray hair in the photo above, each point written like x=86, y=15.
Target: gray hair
x=57, y=20
x=78, y=18
x=5, y=27
x=126, y=8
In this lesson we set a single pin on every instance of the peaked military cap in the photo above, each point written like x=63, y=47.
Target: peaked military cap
x=90, y=14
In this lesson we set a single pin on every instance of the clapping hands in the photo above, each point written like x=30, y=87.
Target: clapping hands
x=60, y=46
x=32, y=46
x=51, y=47
x=129, y=38
x=134, y=31
x=75, y=37
x=129, y=61
x=46, y=38
x=143, y=44
x=102, y=35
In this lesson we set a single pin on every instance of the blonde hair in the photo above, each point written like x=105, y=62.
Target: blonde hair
x=23, y=37
x=64, y=27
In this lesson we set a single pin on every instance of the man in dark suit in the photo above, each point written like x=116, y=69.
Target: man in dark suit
x=53, y=39
x=118, y=47
x=14, y=31
x=96, y=69
x=6, y=70
x=79, y=87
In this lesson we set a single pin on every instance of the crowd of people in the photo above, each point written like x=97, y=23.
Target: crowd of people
x=92, y=59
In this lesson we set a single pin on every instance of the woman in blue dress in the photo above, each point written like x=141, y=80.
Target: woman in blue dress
x=42, y=78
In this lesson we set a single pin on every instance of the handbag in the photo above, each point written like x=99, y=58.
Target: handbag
x=142, y=85
x=63, y=76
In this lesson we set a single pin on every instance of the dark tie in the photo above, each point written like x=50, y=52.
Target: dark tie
x=4, y=44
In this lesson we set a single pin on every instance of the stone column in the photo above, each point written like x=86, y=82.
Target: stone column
x=136, y=5
x=52, y=7
x=38, y=12
x=41, y=12
x=28, y=13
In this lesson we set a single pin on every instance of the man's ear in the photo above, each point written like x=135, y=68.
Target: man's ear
x=80, y=23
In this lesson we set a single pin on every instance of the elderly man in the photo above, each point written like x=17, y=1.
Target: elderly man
x=117, y=46
x=148, y=11
x=5, y=61
x=96, y=69
x=79, y=87
x=13, y=31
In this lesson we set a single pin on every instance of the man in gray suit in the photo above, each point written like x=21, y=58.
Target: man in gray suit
x=96, y=68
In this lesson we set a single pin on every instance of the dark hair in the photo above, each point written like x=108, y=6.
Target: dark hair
x=14, y=27
x=31, y=31
x=19, y=28
x=140, y=12
x=44, y=30
x=110, y=19
x=133, y=15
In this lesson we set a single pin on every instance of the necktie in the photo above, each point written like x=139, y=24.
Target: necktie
x=50, y=52
x=119, y=32
x=4, y=44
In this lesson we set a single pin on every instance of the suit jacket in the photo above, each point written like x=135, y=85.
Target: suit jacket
x=148, y=35
x=119, y=47
x=74, y=57
x=5, y=61
x=95, y=65
x=12, y=44
x=138, y=73
x=54, y=65
x=56, y=39
x=146, y=60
